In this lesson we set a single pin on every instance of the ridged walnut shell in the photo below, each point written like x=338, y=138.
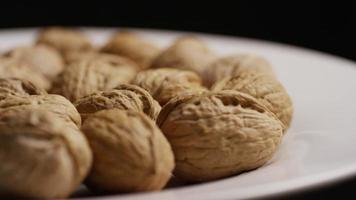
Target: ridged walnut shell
x=233, y=65
x=18, y=87
x=12, y=68
x=56, y=104
x=124, y=97
x=132, y=46
x=215, y=135
x=41, y=58
x=64, y=39
x=91, y=75
x=187, y=53
x=166, y=83
x=40, y=156
x=265, y=88
x=130, y=152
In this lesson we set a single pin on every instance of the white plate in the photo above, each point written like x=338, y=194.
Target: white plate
x=320, y=146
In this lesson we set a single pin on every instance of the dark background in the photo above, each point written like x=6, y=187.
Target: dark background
x=328, y=27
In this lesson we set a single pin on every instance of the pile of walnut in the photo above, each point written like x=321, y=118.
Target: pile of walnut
x=73, y=113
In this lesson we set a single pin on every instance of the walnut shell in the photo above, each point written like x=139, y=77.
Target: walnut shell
x=64, y=39
x=12, y=68
x=91, y=75
x=216, y=135
x=187, y=53
x=124, y=96
x=56, y=104
x=130, y=45
x=130, y=152
x=166, y=83
x=41, y=58
x=40, y=157
x=265, y=88
x=18, y=87
x=233, y=65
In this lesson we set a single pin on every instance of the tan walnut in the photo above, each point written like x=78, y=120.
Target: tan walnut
x=12, y=68
x=124, y=96
x=64, y=39
x=91, y=75
x=166, y=83
x=130, y=152
x=41, y=58
x=233, y=65
x=265, y=88
x=188, y=53
x=215, y=135
x=132, y=46
x=55, y=104
x=18, y=87
x=41, y=158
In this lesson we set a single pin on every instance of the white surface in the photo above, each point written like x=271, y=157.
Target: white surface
x=319, y=148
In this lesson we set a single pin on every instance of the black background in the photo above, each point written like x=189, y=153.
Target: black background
x=328, y=27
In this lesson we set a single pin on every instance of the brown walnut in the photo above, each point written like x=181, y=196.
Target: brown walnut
x=40, y=156
x=216, y=135
x=130, y=152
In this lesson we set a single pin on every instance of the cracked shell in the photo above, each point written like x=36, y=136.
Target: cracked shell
x=40, y=157
x=91, y=75
x=187, y=53
x=130, y=152
x=233, y=65
x=216, y=135
x=130, y=45
x=124, y=97
x=265, y=88
x=166, y=83
x=64, y=39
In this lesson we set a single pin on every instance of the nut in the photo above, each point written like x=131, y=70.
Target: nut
x=56, y=104
x=130, y=152
x=188, y=53
x=41, y=58
x=216, y=135
x=130, y=45
x=233, y=65
x=40, y=157
x=18, y=87
x=264, y=88
x=166, y=83
x=64, y=39
x=72, y=57
x=11, y=68
x=124, y=97
x=91, y=75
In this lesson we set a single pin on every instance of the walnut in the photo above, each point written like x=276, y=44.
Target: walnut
x=12, y=68
x=56, y=104
x=188, y=53
x=233, y=65
x=91, y=75
x=215, y=135
x=18, y=87
x=266, y=88
x=72, y=57
x=124, y=96
x=40, y=156
x=165, y=83
x=64, y=39
x=130, y=152
x=130, y=45
x=41, y=58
